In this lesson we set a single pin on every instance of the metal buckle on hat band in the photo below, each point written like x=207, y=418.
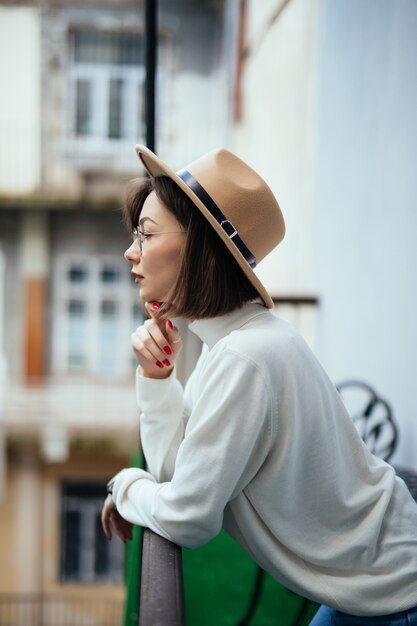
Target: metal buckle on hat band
x=223, y=222
x=229, y=223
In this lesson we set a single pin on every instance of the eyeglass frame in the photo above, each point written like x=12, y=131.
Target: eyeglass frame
x=138, y=234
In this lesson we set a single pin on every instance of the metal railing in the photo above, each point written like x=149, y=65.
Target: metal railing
x=162, y=588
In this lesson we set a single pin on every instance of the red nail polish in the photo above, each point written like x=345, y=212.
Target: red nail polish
x=167, y=349
x=159, y=364
x=155, y=306
x=170, y=324
x=168, y=363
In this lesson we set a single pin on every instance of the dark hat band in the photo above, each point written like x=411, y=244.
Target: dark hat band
x=212, y=207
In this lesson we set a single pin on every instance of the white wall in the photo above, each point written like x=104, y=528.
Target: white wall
x=277, y=134
x=3, y=379
x=20, y=99
x=2, y=325
x=330, y=101
x=366, y=201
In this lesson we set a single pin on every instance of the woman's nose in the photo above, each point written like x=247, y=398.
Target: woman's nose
x=132, y=254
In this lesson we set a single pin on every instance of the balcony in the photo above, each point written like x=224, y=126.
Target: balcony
x=57, y=417
x=54, y=609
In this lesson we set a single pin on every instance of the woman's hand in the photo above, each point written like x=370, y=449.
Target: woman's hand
x=111, y=517
x=156, y=344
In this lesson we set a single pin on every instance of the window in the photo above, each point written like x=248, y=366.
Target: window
x=107, y=78
x=86, y=555
x=96, y=308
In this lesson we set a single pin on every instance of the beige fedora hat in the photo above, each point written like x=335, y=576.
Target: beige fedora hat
x=235, y=200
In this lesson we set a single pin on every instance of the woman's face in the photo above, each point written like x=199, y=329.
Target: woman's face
x=156, y=269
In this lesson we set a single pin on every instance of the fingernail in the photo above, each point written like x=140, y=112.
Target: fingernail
x=170, y=324
x=167, y=362
x=159, y=364
x=167, y=349
x=155, y=306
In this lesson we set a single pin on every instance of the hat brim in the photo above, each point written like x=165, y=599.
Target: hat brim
x=155, y=167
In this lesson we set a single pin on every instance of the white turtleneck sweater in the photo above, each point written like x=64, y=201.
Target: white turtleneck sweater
x=259, y=443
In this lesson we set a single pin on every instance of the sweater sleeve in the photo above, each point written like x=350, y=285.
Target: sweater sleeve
x=226, y=440
x=161, y=422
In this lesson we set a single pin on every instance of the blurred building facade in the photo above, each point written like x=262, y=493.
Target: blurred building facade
x=318, y=95
x=71, y=111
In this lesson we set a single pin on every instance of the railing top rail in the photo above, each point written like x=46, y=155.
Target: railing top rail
x=162, y=588
x=296, y=300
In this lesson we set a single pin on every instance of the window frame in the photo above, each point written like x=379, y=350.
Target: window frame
x=99, y=75
x=94, y=292
x=90, y=536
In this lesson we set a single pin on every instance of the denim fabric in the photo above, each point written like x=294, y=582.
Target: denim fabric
x=330, y=617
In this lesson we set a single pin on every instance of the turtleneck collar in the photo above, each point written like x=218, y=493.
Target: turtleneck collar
x=211, y=330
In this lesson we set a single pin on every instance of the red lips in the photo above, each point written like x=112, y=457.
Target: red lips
x=138, y=277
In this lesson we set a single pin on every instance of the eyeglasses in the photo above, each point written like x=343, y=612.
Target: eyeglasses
x=141, y=236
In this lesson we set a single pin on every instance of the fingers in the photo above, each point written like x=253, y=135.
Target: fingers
x=108, y=507
x=174, y=337
x=110, y=517
x=122, y=528
x=168, y=330
x=149, y=340
x=152, y=309
x=156, y=343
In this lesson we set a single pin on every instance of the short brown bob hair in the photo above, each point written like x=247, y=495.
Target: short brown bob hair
x=210, y=282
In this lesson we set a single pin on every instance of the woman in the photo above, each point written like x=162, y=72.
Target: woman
x=259, y=442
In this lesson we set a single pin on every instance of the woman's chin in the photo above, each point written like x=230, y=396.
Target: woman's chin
x=147, y=295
